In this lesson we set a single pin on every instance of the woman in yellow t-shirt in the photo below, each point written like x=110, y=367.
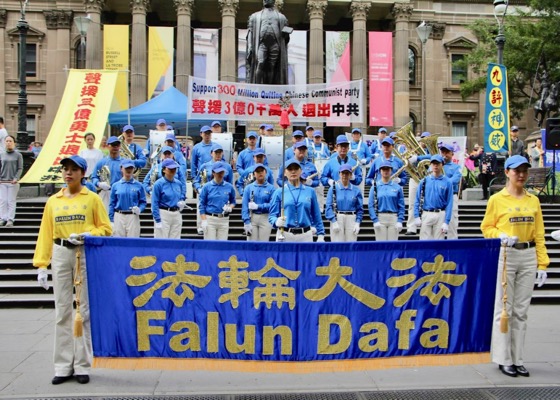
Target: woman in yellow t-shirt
x=69, y=216
x=515, y=217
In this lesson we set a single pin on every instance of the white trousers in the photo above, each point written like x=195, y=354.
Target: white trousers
x=412, y=189
x=72, y=355
x=261, y=228
x=171, y=225
x=387, y=230
x=8, y=196
x=521, y=268
x=431, y=225
x=126, y=225
x=320, y=192
x=346, y=223
x=218, y=228
x=290, y=237
x=453, y=231
x=105, y=198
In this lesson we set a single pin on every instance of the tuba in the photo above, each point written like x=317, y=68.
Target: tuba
x=126, y=153
x=105, y=174
x=405, y=136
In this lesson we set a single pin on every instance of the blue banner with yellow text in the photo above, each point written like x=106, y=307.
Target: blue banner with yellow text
x=496, y=114
x=290, y=301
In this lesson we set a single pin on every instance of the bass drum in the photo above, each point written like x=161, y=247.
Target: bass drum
x=272, y=146
x=320, y=164
x=226, y=141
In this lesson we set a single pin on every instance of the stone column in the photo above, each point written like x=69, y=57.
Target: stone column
x=3, y=20
x=436, y=67
x=359, y=10
x=138, y=75
x=184, y=47
x=228, y=58
x=316, y=10
x=94, y=44
x=402, y=13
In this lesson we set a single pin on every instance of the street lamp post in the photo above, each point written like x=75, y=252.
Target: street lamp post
x=424, y=31
x=500, y=9
x=22, y=27
x=82, y=24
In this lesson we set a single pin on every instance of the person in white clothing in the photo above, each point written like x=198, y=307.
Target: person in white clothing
x=11, y=167
x=3, y=135
x=90, y=154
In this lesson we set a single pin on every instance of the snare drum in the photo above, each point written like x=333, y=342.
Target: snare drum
x=272, y=146
x=226, y=141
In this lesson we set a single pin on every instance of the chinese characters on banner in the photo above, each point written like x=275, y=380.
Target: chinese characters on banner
x=496, y=123
x=182, y=299
x=381, y=78
x=84, y=108
x=309, y=103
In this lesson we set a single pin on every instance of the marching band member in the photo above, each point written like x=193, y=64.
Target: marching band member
x=171, y=141
x=375, y=148
x=309, y=142
x=300, y=208
x=168, y=200
x=434, y=196
x=331, y=170
x=128, y=200
x=413, y=186
x=453, y=172
x=216, y=127
x=322, y=152
x=217, y=200
x=161, y=125
x=255, y=206
x=201, y=151
x=139, y=157
x=515, y=216
x=297, y=136
x=344, y=208
x=113, y=162
x=259, y=157
x=361, y=149
x=156, y=172
x=386, y=205
x=387, y=146
x=71, y=214
x=206, y=168
x=308, y=168
x=245, y=159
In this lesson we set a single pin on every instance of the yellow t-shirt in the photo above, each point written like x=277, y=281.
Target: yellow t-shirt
x=63, y=216
x=516, y=217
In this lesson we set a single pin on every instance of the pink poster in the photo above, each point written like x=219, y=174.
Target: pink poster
x=380, y=79
x=338, y=68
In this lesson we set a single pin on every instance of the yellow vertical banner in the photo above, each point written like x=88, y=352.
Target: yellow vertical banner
x=160, y=60
x=115, y=58
x=84, y=108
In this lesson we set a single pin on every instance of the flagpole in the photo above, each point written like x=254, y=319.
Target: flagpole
x=284, y=123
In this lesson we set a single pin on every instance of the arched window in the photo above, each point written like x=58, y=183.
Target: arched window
x=411, y=66
x=414, y=122
x=80, y=55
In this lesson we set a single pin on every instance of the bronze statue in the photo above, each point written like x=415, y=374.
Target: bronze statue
x=267, y=41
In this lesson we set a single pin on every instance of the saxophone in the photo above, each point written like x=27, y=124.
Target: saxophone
x=126, y=153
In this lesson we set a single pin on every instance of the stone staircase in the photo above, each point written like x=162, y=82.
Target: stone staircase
x=18, y=284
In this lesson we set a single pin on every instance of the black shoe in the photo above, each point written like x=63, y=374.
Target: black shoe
x=57, y=380
x=521, y=370
x=409, y=233
x=508, y=370
x=82, y=379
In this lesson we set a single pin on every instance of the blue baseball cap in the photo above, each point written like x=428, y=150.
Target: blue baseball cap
x=205, y=128
x=79, y=161
x=386, y=164
x=425, y=134
x=252, y=134
x=514, y=128
x=292, y=161
x=169, y=136
x=388, y=141
x=345, y=167
x=392, y=134
x=299, y=145
x=161, y=121
x=516, y=161
x=216, y=123
x=113, y=139
x=317, y=134
x=309, y=127
x=342, y=139
x=356, y=130
x=437, y=158
x=217, y=147
x=169, y=127
x=297, y=133
x=219, y=166
x=169, y=163
x=259, y=152
x=165, y=149
x=128, y=128
x=382, y=130
x=258, y=165
x=262, y=126
x=269, y=127
x=446, y=146
x=126, y=163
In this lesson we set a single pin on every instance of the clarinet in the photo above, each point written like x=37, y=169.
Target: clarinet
x=334, y=198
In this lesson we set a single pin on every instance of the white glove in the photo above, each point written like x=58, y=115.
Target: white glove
x=413, y=159
x=42, y=278
x=398, y=227
x=204, y=225
x=377, y=224
x=356, y=229
x=253, y=205
x=363, y=161
x=418, y=222
x=309, y=181
x=397, y=180
x=556, y=235
x=541, y=277
x=135, y=210
x=181, y=204
x=321, y=238
x=335, y=227
x=104, y=186
x=313, y=230
x=248, y=228
x=331, y=182
x=281, y=222
x=227, y=209
x=509, y=241
x=444, y=227
x=75, y=239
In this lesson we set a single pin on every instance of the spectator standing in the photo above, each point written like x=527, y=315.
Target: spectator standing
x=11, y=167
x=90, y=153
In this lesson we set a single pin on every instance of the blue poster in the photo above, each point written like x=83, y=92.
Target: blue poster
x=496, y=114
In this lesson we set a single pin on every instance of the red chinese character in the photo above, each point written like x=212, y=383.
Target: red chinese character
x=496, y=97
x=214, y=106
x=309, y=110
x=239, y=108
x=93, y=78
x=261, y=108
x=82, y=114
x=198, y=106
x=292, y=110
x=274, y=110
x=89, y=91
x=69, y=150
x=80, y=126
x=496, y=76
x=57, y=160
x=86, y=102
x=74, y=138
x=324, y=110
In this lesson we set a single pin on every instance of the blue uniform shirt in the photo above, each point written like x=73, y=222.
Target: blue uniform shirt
x=240, y=183
x=453, y=172
x=140, y=161
x=310, y=149
x=307, y=167
x=114, y=165
x=207, y=166
x=332, y=168
x=361, y=149
x=390, y=199
x=438, y=195
x=321, y=151
x=214, y=197
x=246, y=159
x=147, y=182
x=395, y=162
x=125, y=195
x=301, y=208
x=201, y=153
x=260, y=194
x=166, y=194
x=347, y=199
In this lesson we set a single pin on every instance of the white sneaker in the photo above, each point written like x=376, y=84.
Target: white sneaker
x=9, y=223
x=2, y=222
